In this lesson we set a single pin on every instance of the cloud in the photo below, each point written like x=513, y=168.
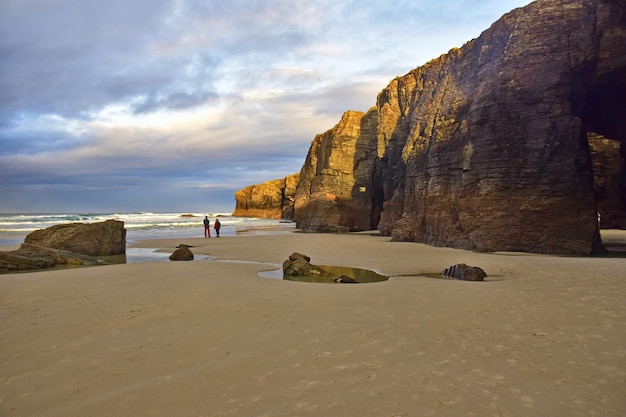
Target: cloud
x=109, y=98
x=62, y=57
x=173, y=101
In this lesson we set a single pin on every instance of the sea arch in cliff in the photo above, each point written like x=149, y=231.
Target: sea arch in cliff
x=599, y=100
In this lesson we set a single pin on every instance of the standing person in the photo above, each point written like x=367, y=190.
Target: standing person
x=207, y=227
x=217, y=226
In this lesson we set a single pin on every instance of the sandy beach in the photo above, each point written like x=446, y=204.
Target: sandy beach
x=543, y=336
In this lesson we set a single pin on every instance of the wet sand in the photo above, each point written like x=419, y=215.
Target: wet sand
x=544, y=336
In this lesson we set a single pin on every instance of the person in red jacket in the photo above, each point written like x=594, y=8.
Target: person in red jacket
x=217, y=226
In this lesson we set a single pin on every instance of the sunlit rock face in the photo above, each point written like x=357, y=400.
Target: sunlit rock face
x=484, y=148
x=514, y=142
x=93, y=239
x=67, y=245
x=333, y=194
x=272, y=199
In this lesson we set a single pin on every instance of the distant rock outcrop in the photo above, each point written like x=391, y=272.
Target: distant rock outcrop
x=334, y=193
x=270, y=200
x=491, y=147
x=94, y=239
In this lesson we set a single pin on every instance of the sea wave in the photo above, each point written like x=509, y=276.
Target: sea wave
x=143, y=225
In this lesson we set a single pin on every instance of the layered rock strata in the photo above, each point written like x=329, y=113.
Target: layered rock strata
x=514, y=142
x=94, y=239
x=272, y=199
x=67, y=245
x=31, y=257
x=608, y=156
x=484, y=148
x=334, y=193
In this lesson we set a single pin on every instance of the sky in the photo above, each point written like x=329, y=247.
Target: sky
x=173, y=105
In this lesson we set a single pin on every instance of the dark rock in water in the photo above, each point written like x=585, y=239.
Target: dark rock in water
x=344, y=279
x=299, y=265
x=94, y=239
x=182, y=253
x=464, y=273
x=32, y=257
x=299, y=268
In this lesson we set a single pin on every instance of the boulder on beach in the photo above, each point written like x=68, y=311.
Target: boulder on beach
x=182, y=253
x=67, y=244
x=344, y=279
x=94, y=239
x=299, y=265
x=464, y=272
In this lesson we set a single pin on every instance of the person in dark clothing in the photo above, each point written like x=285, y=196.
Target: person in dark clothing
x=207, y=227
x=217, y=226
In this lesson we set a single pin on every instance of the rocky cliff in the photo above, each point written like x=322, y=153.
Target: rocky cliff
x=333, y=193
x=488, y=147
x=272, y=199
x=607, y=156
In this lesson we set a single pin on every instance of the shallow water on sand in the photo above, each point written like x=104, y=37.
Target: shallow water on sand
x=134, y=255
x=360, y=275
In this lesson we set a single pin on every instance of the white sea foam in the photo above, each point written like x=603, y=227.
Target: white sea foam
x=14, y=227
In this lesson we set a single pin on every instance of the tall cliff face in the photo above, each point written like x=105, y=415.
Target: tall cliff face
x=333, y=193
x=484, y=148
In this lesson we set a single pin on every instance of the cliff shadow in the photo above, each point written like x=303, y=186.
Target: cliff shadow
x=599, y=99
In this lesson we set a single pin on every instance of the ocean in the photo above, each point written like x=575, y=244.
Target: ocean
x=15, y=226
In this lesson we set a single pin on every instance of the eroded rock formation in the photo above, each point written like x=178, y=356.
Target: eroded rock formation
x=31, y=257
x=334, y=194
x=94, y=239
x=486, y=147
x=272, y=199
x=300, y=265
x=67, y=244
